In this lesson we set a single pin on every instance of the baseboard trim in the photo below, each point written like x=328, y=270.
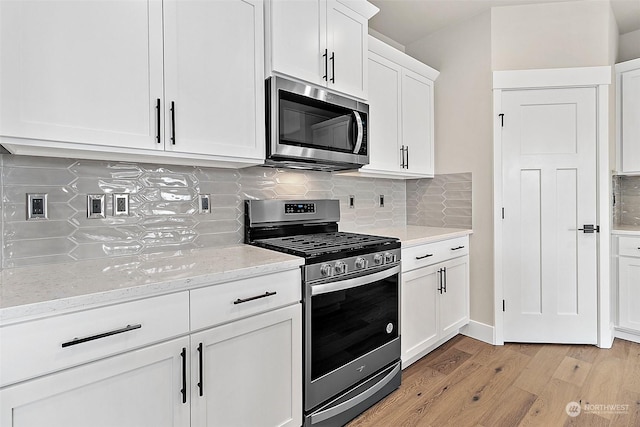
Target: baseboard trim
x=629, y=336
x=479, y=331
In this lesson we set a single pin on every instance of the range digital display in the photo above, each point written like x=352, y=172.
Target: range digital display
x=299, y=208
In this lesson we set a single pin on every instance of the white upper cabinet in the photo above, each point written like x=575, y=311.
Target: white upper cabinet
x=81, y=71
x=401, y=115
x=214, y=86
x=628, y=116
x=85, y=79
x=323, y=42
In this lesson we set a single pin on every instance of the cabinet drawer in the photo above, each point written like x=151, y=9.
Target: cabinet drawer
x=629, y=246
x=226, y=302
x=432, y=253
x=41, y=346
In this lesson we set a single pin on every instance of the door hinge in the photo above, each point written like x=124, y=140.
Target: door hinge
x=501, y=115
x=590, y=228
x=503, y=306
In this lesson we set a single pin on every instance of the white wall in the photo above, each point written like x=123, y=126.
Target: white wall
x=551, y=35
x=629, y=47
x=464, y=136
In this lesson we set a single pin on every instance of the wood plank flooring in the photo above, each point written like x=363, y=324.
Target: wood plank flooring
x=467, y=382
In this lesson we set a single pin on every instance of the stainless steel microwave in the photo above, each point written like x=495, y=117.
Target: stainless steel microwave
x=311, y=128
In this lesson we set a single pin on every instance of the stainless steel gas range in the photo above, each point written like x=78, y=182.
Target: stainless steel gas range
x=351, y=305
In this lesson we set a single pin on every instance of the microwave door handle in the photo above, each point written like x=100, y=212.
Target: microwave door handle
x=360, y=127
x=354, y=282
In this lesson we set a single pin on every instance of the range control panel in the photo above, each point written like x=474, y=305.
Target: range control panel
x=299, y=208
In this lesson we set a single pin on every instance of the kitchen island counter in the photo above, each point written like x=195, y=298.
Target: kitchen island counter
x=31, y=292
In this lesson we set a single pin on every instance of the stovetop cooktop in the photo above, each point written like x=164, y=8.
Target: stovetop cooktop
x=317, y=244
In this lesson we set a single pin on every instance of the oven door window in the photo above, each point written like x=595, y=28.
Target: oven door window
x=347, y=324
x=310, y=123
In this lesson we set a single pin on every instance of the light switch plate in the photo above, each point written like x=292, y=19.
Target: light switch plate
x=37, y=206
x=120, y=204
x=204, y=203
x=95, y=206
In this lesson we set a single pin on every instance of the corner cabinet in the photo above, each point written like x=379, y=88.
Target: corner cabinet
x=323, y=42
x=628, y=273
x=435, y=295
x=628, y=117
x=401, y=115
x=176, y=81
x=224, y=355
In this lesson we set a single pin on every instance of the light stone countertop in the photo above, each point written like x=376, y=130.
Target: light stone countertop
x=632, y=230
x=31, y=292
x=414, y=235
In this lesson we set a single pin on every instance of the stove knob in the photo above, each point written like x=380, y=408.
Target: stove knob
x=325, y=270
x=377, y=259
x=361, y=263
x=340, y=267
x=389, y=257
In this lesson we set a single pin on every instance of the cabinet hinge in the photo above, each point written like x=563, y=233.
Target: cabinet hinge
x=501, y=115
x=503, y=306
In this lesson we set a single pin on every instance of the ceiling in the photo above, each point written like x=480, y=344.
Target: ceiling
x=406, y=21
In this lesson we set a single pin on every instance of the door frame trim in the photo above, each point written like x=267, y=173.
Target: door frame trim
x=599, y=78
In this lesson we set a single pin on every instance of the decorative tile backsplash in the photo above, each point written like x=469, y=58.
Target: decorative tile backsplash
x=627, y=205
x=164, y=211
x=444, y=201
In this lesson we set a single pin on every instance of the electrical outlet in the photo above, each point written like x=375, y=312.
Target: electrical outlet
x=37, y=206
x=352, y=202
x=204, y=203
x=95, y=206
x=120, y=204
x=382, y=200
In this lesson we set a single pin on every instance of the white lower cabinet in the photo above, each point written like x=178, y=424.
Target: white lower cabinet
x=249, y=372
x=628, y=251
x=138, y=388
x=173, y=364
x=435, y=296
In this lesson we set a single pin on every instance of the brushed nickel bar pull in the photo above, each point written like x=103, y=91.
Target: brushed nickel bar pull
x=326, y=65
x=158, y=120
x=424, y=256
x=173, y=123
x=77, y=341
x=242, y=300
x=459, y=247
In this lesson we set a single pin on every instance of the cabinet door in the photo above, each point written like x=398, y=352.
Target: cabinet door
x=419, y=309
x=138, y=388
x=630, y=121
x=347, y=43
x=384, y=113
x=628, y=293
x=417, y=122
x=298, y=34
x=81, y=71
x=454, y=300
x=214, y=68
x=251, y=371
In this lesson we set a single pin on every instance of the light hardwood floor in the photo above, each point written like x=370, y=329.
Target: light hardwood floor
x=467, y=382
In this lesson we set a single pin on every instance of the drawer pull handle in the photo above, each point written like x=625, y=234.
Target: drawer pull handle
x=266, y=294
x=76, y=341
x=424, y=256
x=459, y=247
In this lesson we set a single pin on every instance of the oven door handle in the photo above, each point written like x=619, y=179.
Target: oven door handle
x=354, y=401
x=354, y=282
x=360, y=132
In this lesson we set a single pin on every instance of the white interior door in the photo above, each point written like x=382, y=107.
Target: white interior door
x=549, y=193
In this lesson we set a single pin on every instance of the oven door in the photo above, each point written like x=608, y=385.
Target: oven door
x=351, y=332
